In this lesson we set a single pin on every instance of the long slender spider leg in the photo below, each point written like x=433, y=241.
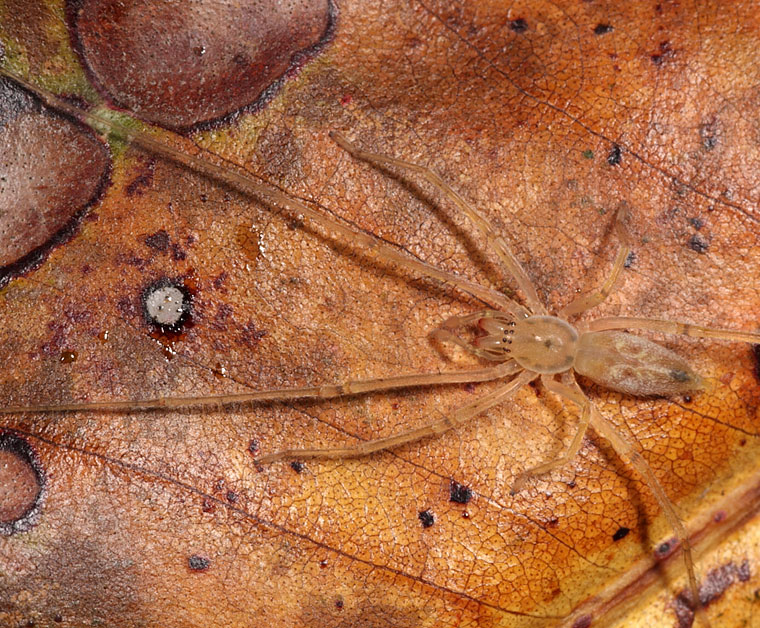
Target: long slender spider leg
x=267, y=194
x=495, y=241
x=669, y=327
x=572, y=451
x=447, y=422
x=325, y=391
x=587, y=301
x=626, y=451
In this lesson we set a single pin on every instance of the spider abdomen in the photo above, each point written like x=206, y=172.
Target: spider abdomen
x=634, y=365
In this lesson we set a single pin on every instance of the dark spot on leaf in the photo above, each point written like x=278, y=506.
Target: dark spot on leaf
x=49, y=197
x=687, y=398
x=232, y=497
x=183, y=75
x=620, y=533
x=208, y=505
x=519, y=25
x=68, y=356
x=698, y=244
x=588, y=154
x=665, y=53
x=709, y=134
x=630, y=259
x=198, y=563
x=323, y=563
x=426, y=518
x=21, y=485
x=615, y=155
x=459, y=493
x=297, y=466
x=571, y=484
x=142, y=180
x=339, y=604
x=663, y=549
x=697, y=223
x=252, y=336
x=603, y=29
x=253, y=446
x=715, y=583
x=167, y=305
x=583, y=622
x=158, y=241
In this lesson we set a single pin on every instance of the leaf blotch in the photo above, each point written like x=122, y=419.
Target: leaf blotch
x=603, y=28
x=620, y=533
x=458, y=493
x=21, y=485
x=615, y=155
x=427, y=518
x=198, y=563
x=519, y=25
x=698, y=244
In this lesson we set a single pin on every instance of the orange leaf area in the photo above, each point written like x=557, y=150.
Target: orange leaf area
x=544, y=116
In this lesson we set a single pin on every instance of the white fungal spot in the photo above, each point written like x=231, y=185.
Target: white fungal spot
x=166, y=305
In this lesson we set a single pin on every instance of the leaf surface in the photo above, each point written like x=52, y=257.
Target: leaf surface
x=544, y=116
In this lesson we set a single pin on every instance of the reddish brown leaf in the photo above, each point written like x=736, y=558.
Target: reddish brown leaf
x=545, y=116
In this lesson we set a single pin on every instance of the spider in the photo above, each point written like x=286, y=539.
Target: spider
x=522, y=343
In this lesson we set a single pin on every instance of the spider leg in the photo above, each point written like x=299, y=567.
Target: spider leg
x=587, y=301
x=239, y=180
x=324, y=391
x=445, y=423
x=495, y=241
x=627, y=452
x=572, y=451
x=670, y=327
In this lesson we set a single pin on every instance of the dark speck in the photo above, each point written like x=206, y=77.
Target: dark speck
x=603, y=29
x=663, y=549
x=700, y=245
x=756, y=353
x=708, y=133
x=426, y=518
x=198, y=563
x=630, y=260
x=297, y=466
x=583, y=622
x=253, y=446
x=665, y=53
x=519, y=25
x=697, y=223
x=459, y=493
x=616, y=153
x=339, y=604
x=232, y=497
x=620, y=533
x=158, y=241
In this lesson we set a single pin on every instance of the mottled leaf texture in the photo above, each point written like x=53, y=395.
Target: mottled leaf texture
x=126, y=276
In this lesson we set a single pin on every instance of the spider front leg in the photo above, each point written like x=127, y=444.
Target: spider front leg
x=587, y=301
x=495, y=241
x=447, y=422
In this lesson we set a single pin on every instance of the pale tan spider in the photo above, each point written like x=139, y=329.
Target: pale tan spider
x=524, y=341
